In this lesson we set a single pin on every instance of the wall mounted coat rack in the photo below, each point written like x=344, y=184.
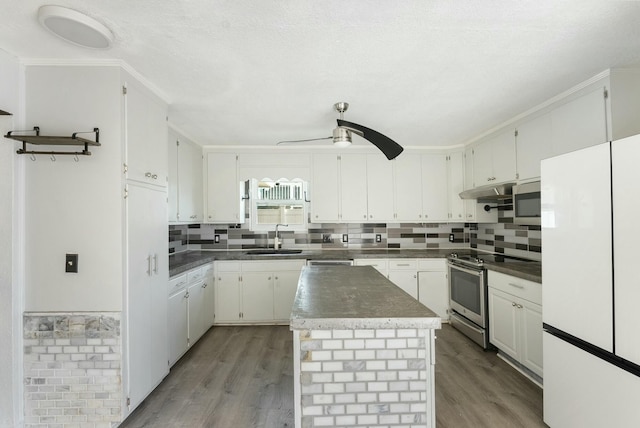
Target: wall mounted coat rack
x=44, y=140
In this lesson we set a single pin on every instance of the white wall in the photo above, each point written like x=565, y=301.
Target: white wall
x=74, y=207
x=10, y=286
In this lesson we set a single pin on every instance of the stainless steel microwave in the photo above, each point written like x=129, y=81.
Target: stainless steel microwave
x=526, y=203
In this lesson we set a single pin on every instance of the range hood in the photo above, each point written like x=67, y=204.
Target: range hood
x=493, y=192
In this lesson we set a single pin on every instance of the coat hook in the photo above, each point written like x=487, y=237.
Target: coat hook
x=53, y=157
x=33, y=157
x=75, y=158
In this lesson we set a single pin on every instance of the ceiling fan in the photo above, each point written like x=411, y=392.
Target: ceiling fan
x=342, y=135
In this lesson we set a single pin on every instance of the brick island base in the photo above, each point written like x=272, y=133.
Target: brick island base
x=354, y=366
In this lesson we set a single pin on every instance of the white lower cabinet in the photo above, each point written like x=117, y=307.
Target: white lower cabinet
x=515, y=319
x=189, y=313
x=424, y=279
x=433, y=288
x=404, y=274
x=381, y=265
x=251, y=292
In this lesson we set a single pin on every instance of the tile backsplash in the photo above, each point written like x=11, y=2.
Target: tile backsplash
x=502, y=237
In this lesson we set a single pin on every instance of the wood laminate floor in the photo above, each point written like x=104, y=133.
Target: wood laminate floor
x=242, y=377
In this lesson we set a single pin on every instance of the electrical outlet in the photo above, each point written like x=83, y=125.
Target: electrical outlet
x=326, y=237
x=378, y=238
x=451, y=237
x=345, y=237
x=71, y=263
x=216, y=239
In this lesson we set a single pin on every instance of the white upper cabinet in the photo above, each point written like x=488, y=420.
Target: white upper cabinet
x=408, y=187
x=223, y=191
x=455, y=183
x=533, y=143
x=146, y=136
x=325, y=189
x=434, y=188
x=494, y=160
x=580, y=122
x=189, y=181
x=353, y=186
x=185, y=179
x=379, y=188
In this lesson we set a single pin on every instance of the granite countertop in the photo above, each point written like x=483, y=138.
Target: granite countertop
x=184, y=261
x=355, y=297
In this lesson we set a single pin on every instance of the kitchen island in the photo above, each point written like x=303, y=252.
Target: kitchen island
x=364, y=351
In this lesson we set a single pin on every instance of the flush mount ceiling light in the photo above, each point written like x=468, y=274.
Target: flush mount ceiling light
x=75, y=27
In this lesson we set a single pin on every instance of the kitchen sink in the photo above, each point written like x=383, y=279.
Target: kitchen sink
x=270, y=252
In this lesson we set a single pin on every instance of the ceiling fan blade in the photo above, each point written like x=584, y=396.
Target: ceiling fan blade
x=303, y=141
x=390, y=148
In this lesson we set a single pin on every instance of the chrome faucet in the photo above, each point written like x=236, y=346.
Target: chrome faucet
x=276, y=239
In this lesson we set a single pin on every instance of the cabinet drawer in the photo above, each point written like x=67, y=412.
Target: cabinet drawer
x=177, y=282
x=380, y=264
x=273, y=266
x=227, y=266
x=527, y=290
x=403, y=264
x=432, y=264
x=207, y=270
x=194, y=275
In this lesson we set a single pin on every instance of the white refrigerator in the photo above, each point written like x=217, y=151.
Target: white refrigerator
x=591, y=286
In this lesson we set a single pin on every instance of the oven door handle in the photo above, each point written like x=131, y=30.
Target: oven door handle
x=469, y=271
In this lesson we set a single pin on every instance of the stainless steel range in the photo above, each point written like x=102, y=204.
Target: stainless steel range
x=468, y=293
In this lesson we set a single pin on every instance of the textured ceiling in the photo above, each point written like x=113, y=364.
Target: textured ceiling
x=425, y=73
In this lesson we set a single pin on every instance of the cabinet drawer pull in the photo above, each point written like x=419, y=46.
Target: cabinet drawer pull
x=516, y=285
x=403, y=264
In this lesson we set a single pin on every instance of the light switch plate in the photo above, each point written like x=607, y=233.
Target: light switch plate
x=71, y=263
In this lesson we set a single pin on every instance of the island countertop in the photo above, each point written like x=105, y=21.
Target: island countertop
x=355, y=297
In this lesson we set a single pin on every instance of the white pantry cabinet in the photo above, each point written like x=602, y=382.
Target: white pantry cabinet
x=148, y=264
x=255, y=292
x=515, y=314
x=222, y=188
x=185, y=179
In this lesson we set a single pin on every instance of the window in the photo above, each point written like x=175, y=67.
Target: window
x=278, y=202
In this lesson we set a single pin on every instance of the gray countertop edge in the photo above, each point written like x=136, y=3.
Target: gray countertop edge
x=364, y=323
x=188, y=260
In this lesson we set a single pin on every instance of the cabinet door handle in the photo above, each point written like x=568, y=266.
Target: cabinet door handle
x=516, y=285
x=204, y=285
x=154, y=176
x=513, y=304
x=155, y=264
x=149, y=265
x=276, y=278
x=519, y=306
x=186, y=295
x=147, y=174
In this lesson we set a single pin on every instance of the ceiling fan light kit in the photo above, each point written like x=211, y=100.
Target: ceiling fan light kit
x=75, y=27
x=342, y=135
